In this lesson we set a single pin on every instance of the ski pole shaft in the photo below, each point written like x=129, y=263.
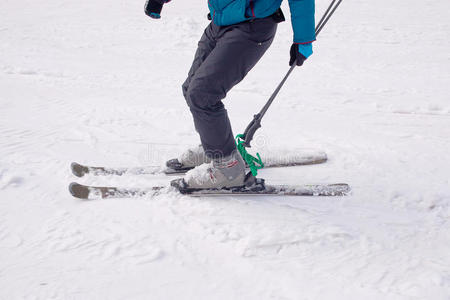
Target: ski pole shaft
x=325, y=15
x=256, y=122
x=321, y=25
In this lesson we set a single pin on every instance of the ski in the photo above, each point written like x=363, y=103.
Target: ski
x=101, y=192
x=275, y=161
x=80, y=170
x=95, y=192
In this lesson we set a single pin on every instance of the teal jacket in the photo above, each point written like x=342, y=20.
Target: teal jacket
x=228, y=12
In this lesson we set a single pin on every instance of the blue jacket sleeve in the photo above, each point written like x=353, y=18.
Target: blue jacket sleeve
x=302, y=18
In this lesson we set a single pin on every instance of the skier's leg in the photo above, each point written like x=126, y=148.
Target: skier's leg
x=195, y=156
x=239, y=47
x=205, y=46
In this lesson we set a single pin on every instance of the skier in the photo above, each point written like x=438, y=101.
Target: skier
x=238, y=35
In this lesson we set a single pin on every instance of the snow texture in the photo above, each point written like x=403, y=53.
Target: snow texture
x=99, y=82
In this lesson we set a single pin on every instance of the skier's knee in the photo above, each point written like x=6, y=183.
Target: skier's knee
x=184, y=89
x=196, y=98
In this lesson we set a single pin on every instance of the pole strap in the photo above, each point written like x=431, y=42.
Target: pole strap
x=254, y=163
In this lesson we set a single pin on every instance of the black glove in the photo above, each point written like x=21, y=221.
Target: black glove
x=296, y=56
x=153, y=8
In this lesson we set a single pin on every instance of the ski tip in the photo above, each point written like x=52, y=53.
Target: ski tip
x=78, y=170
x=78, y=190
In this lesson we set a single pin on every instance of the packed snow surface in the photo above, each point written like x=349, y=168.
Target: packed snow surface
x=98, y=82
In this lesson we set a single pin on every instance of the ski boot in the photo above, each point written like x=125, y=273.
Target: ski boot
x=224, y=173
x=188, y=160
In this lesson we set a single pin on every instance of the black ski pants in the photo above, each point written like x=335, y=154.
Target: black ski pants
x=225, y=54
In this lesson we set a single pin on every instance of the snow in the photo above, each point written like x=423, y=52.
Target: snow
x=98, y=82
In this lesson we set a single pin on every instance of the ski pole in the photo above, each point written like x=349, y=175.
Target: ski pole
x=325, y=14
x=256, y=122
x=324, y=20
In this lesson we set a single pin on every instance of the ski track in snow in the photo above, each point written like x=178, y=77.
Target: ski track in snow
x=99, y=83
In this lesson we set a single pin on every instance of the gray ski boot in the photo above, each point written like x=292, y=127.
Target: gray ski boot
x=227, y=172
x=189, y=159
